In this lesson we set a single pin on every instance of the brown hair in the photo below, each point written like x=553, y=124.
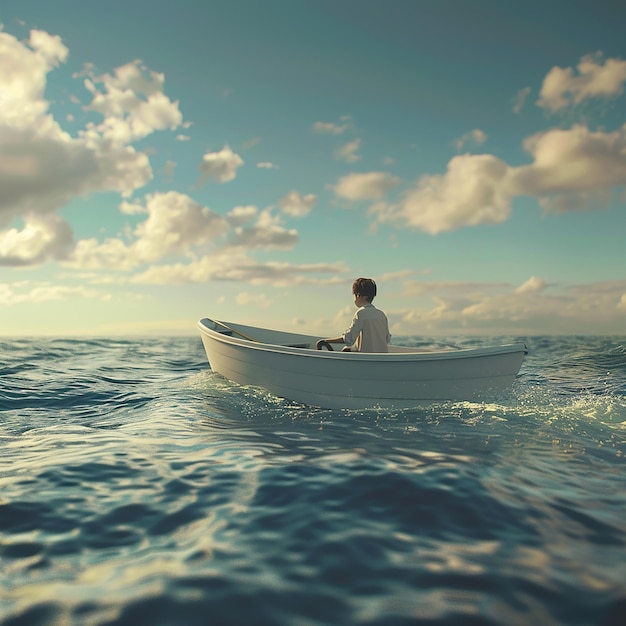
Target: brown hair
x=364, y=287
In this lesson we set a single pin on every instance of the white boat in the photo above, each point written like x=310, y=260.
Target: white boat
x=289, y=366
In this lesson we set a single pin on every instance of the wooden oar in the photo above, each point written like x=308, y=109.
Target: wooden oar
x=238, y=332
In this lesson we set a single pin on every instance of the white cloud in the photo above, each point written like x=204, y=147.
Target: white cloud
x=241, y=214
x=135, y=77
x=330, y=128
x=23, y=292
x=49, y=46
x=298, y=205
x=520, y=99
x=348, y=152
x=131, y=208
x=111, y=254
x=266, y=165
x=368, y=186
x=234, y=265
x=563, y=87
x=475, y=137
x=132, y=104
x=560, y=311
x=220, y=166
x=501, y=308
x=42, y=167
x=175, y=225
x=23, y=82
x=473, y=191
x=532, y=285
x=573, y=168
x=266, y=233
x=42, y=237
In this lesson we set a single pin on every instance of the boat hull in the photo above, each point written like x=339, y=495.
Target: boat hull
x=401, y=378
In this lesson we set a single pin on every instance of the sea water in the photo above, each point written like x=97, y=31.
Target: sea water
x=139, y=487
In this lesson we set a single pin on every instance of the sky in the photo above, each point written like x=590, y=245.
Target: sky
x=161, y=162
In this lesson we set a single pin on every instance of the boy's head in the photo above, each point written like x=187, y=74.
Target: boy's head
x=365, y=287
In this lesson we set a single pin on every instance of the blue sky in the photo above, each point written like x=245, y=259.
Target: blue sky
x=162, y=162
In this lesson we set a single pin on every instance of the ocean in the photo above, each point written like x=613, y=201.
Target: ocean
x=139, y=487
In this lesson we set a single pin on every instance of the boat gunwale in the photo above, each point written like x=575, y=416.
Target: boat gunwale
x=418, y=355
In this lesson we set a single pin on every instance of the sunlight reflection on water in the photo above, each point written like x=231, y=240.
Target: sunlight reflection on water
x=181, y=494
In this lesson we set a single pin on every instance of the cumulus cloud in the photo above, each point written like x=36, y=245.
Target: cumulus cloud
x=216, y=247
x=348, y=152
x=50, y=47
x=532, y=285
x=42, y=167
x=475, y=137
x=473, y=191
x=298, y=205
x=42, y=237
x=236, y=266
x=330, y=128
x=267, y=232
x=220, y=166
x=572, y=168
x=266, y=165
x=25, y=292
x=132, y=103
x=596, y=303
x=520, y=99
x=592, y=78
x=175, y=225
x=503, y=308
x=366, y=186
x=241, y=214
x=23, y=81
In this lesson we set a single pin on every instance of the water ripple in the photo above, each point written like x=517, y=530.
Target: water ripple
x=136, y=486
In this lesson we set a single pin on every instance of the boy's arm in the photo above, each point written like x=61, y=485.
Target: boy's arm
x=330, y=340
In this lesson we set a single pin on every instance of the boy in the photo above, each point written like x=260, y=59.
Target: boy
x=369, y=331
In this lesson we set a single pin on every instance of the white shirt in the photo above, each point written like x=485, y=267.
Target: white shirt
x=369, y=331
